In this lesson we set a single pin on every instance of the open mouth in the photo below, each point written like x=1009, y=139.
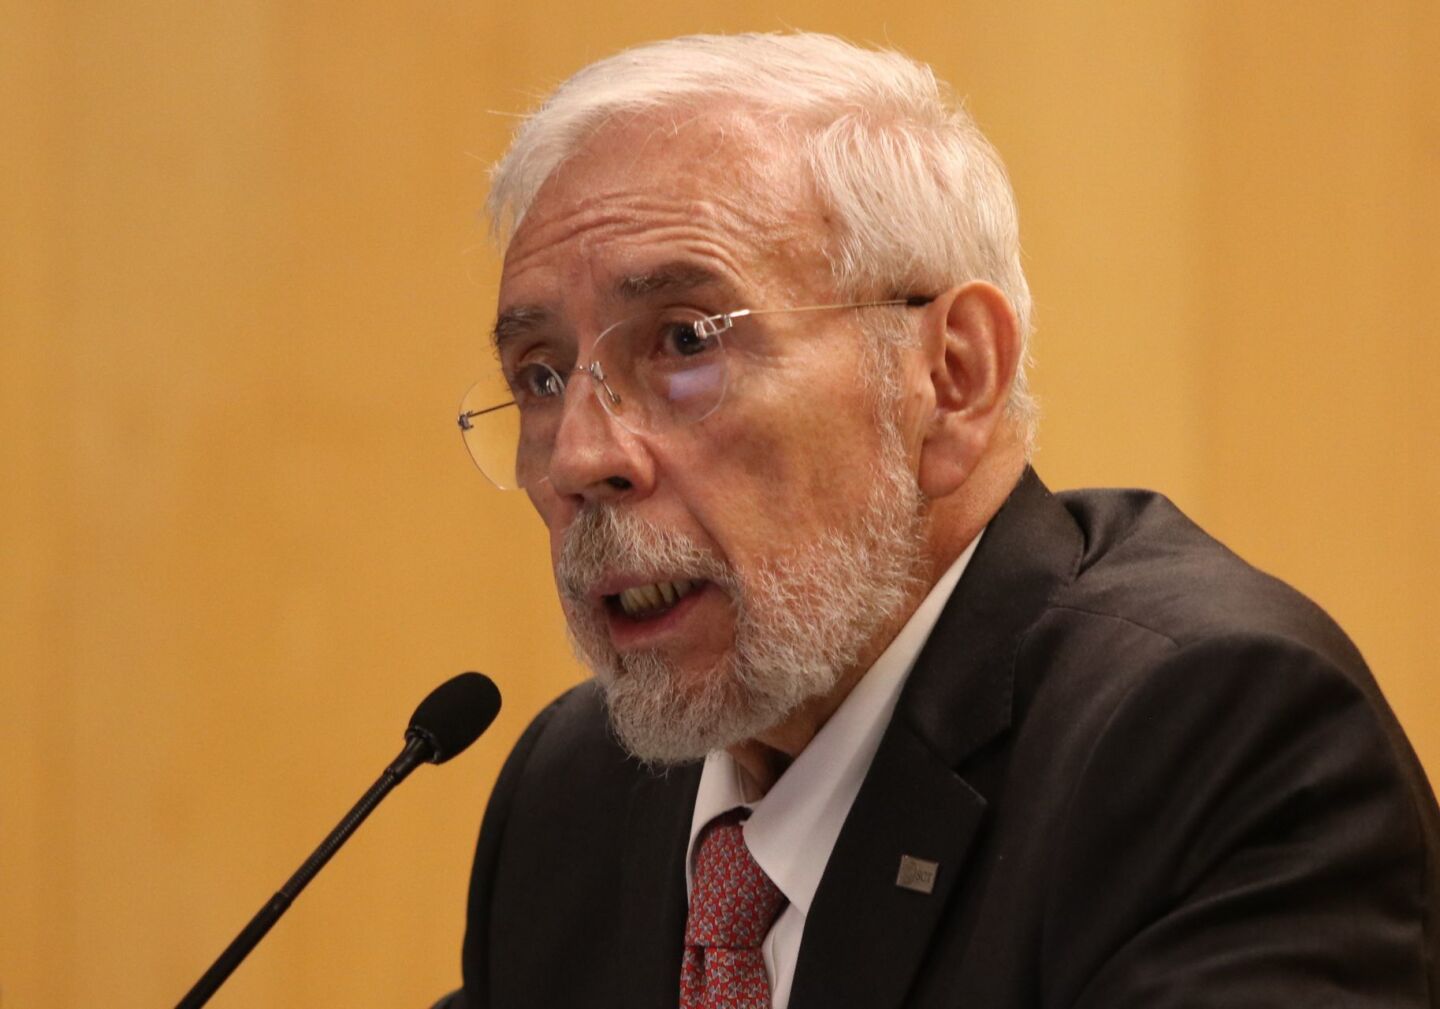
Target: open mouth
x=645, y=602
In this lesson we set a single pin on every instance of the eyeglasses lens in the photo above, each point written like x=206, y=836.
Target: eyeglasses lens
x=651, y=372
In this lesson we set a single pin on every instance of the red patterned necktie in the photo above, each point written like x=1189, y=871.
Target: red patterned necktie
x=732, y=906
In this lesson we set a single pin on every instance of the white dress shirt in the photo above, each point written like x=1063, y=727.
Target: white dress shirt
x=792, y=828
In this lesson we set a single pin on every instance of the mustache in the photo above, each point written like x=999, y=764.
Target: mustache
x=604, y=540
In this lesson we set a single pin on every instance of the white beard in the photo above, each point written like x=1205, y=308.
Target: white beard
x=801, y=622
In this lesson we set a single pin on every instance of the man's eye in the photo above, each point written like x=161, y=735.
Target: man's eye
x=536, y=381
x=683, y=339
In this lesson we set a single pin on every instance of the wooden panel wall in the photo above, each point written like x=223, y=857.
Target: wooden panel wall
x=242, y=287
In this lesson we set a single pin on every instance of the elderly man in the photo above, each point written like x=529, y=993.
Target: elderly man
x=877, y=720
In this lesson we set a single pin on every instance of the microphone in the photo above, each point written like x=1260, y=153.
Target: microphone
x=451, y=718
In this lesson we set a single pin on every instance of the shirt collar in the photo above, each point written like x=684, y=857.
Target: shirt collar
x=793, y=828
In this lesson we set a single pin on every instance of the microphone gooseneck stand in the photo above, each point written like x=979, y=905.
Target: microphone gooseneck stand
x=419, y=747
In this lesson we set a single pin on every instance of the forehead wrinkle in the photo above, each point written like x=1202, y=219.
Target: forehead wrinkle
x=625, y=246
x=605, y=214
x=602, y=217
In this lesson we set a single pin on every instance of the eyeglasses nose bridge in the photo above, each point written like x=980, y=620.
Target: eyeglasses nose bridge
x=581, y=402
x=597, y=372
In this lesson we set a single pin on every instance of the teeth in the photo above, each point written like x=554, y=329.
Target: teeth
x=642, y=600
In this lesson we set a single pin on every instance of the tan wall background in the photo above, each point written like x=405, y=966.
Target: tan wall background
x=242, y=287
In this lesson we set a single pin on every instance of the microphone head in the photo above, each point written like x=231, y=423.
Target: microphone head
x=454, y=714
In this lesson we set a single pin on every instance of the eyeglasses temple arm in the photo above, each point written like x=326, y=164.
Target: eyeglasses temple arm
x=915, y=301
x=466, y=415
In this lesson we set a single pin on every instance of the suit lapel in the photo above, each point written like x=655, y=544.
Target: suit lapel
x=866, y=935
x=652, y=917
x=959, y=696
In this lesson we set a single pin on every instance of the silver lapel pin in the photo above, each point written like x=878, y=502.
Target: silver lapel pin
x=917, y=874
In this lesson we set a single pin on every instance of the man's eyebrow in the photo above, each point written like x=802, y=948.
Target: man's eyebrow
x=670, y=278
x=517, y=321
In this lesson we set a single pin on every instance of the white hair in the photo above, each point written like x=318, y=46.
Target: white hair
x=918, y=195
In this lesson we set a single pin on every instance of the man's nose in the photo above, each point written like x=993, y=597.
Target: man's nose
x=593, y=456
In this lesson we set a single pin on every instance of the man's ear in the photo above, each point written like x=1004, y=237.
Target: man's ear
x=971, y=339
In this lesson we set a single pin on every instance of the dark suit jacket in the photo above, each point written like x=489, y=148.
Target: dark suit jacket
x=1152, y=776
